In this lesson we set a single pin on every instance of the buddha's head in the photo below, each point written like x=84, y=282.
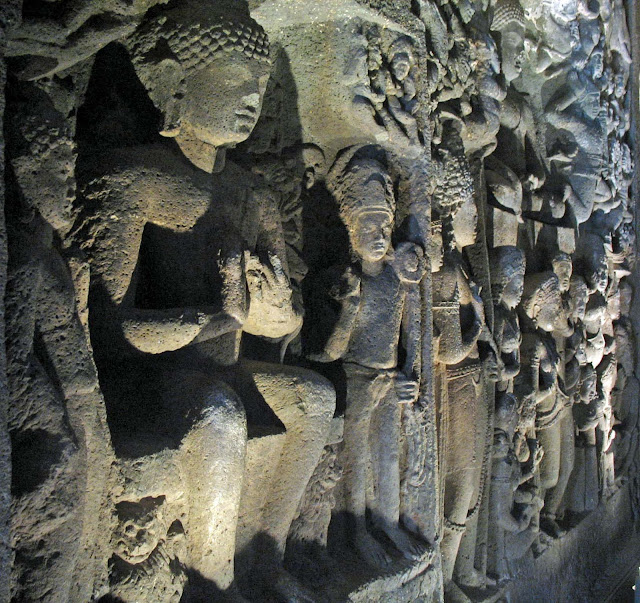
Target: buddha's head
x=205, y=67
x=542, y=302
x=563, y=268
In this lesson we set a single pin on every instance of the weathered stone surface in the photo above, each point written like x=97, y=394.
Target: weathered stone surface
x=318, y=301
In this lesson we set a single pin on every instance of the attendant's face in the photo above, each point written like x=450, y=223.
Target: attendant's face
x=49, y=184
x=465, y=223
x=401, y=65
x=563, y=270
x=222, y=101
x=512, y=292
x=512, y=50
x=579, y=304
x=372, y=235
x=588, y=391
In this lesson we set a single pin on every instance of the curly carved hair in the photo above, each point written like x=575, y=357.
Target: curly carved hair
x=505, y=13
x=539, y=289
x=197, y=33
x=38, y=136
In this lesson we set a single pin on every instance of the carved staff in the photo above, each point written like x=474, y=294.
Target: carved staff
x=420, y=504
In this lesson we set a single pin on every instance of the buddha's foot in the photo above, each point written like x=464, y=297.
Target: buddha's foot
x=371, y=550
x=410, y=547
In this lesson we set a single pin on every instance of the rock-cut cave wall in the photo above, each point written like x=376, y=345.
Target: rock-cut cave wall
x=318, y=300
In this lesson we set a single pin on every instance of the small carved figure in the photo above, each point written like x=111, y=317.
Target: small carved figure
x=578, y=146
x=147, y=551
x=366, y=337
x=588, y=412
x=538, y=387
x=512, y=510
x=507, y=282
x=593, y=265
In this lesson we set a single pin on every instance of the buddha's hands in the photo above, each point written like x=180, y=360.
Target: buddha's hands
x=272, y=312
x=406, y=389
x=267, y=281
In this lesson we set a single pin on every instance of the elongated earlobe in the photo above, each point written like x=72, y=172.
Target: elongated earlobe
x=171, y=124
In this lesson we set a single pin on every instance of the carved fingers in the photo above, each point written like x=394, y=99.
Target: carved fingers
x=409, y=262
x=272, y=312
x=267, y=281
x=406, y=389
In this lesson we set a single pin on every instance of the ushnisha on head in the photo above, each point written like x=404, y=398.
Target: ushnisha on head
x=205, y=65
x=508, y=266
x=508, y=20
x=364, y=193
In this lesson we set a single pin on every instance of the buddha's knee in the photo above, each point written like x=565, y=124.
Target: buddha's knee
x=316, y=399
x=218, y=417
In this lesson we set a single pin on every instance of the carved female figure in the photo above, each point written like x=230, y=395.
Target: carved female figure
x=593, y=265
x=60, y=443
x=588, y=413
x=512, y=511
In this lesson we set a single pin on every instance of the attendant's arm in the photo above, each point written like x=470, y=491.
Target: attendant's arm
x=347, y=294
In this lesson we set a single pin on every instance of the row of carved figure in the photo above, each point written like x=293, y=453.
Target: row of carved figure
x=201, y=348
x=555, y=243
